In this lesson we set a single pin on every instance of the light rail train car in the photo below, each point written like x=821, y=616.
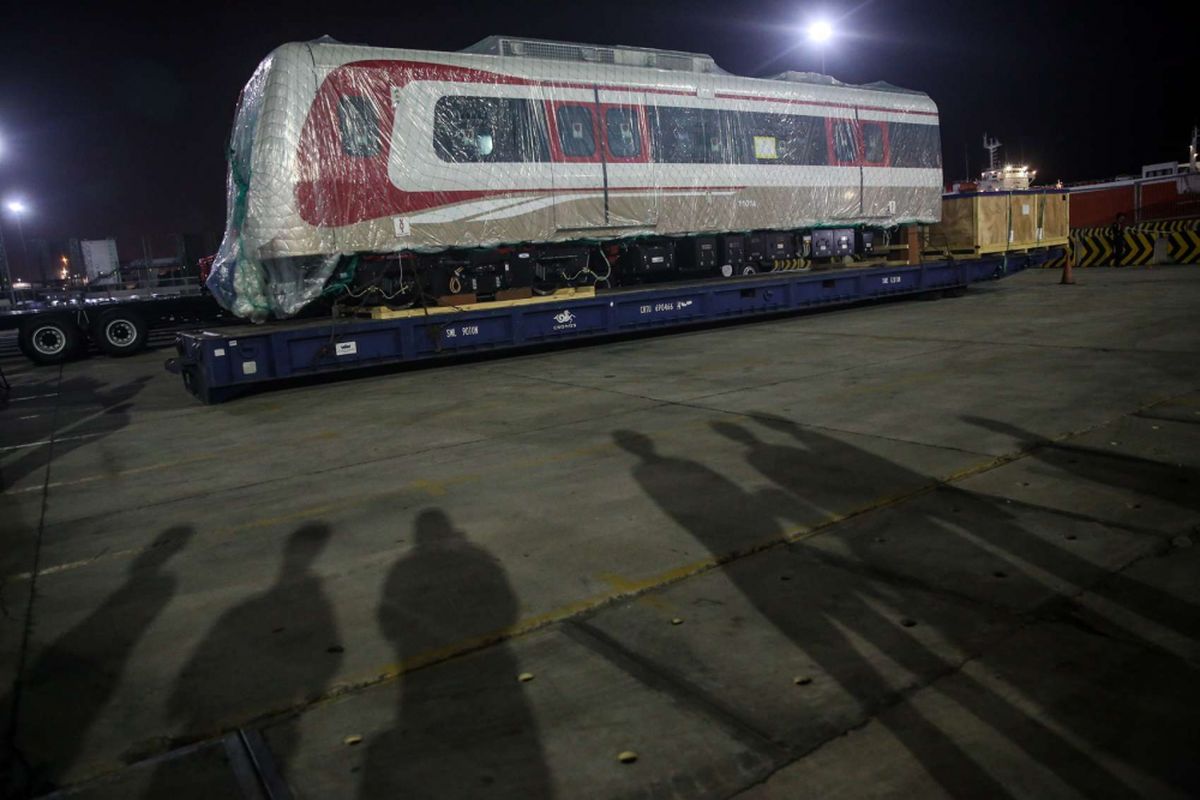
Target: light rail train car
x=518, y=165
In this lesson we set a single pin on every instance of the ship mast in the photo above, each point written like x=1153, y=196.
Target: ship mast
x=1005, y=177
x=992, y=146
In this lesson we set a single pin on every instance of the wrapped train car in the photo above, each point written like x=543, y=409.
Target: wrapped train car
x=521, y=163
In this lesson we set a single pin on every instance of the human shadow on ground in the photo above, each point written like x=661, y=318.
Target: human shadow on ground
x=724, y=518
x=279, y=648
x=991, y=524
x=1168, y=482
x=977, y=530
x=720, y=515
x=1173, y=483
x=84, y=412
x=463, y=728
x=62, y=692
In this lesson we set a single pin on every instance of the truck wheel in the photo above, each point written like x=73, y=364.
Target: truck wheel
x=120, y=332
x=50, y=341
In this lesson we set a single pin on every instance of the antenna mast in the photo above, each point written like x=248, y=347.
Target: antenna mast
x=991, y=145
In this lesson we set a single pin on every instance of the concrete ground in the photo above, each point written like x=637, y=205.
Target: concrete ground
x=918, y=549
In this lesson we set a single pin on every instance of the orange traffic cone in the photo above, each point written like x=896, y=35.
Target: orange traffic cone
x=1067, y=277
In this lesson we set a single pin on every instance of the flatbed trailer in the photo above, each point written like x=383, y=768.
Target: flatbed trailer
x=117, y=323
x=218, y=365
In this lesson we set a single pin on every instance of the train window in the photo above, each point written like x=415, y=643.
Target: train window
x=798, y=140
x=575, y=132
x=624, y=138
x=805, y=141
x=488, y=129
x=689, y=136
x=717, y=138
x=698, y=136
x=678, y=135
x=915, y=145
x=739, y=141
x=845, y=145
x=873, y=149
x=533, y=138
x=359, y=125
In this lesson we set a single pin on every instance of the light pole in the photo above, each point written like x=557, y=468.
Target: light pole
x=18, y=208
x=820, y=32
x=5, y=271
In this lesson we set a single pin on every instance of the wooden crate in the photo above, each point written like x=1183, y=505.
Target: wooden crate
x=991, y=213
x=1055, y=220
x=994, y=222
x=1022, y=221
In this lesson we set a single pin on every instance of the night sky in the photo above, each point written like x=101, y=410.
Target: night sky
x=113, y=117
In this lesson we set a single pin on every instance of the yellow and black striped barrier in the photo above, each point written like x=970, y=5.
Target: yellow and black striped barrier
x=1169, y=225
x=1093, y=247
x=1184, y=246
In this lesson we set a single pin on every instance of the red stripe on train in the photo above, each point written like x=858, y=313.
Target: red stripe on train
x=344, y=190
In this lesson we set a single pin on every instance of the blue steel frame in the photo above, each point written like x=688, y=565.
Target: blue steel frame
x=216, y=365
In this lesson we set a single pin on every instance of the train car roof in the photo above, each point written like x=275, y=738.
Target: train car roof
x=633, y=66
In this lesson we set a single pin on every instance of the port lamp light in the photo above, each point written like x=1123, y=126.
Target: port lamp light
x=819, y=31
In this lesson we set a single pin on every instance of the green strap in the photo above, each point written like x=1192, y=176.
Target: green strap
x=341, y=281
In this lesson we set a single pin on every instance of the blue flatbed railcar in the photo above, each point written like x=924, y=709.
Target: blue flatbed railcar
x=218, y=365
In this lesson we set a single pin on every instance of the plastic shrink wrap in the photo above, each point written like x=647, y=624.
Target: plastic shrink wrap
x=339, y=150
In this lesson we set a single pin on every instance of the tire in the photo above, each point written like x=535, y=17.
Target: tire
x=120, y=332
x=52, y=340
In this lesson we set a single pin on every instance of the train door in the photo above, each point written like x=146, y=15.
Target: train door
x=844, y=195
x=856, y=146
x=599, y=155
x=631, y=196
x=577, y=167
x=879, y=195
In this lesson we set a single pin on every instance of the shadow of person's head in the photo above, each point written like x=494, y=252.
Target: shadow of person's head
x=736, y=432
x=434, y=529
x=780, y=424
x=305, y=545
x=639, y=444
